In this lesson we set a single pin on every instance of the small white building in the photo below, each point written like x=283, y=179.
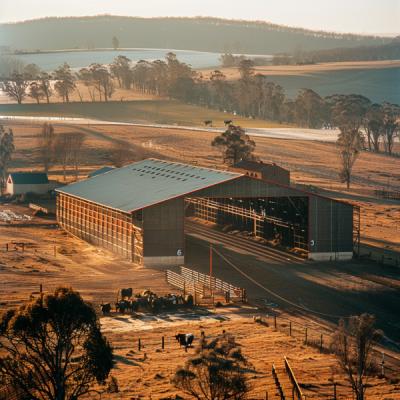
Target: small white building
x=28, y=182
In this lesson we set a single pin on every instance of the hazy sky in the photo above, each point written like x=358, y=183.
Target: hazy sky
x=360, y=16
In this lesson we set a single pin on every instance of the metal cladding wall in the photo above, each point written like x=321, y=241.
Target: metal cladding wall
x=163, y=229
x=101, y=226
x=331, y=226
x=248, y=187
x=330, y=221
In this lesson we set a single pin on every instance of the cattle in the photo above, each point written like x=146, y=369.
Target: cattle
x=124, y=305
x=105, y=308
x=228, y=122
x=208, y=122
x=185, y=339
x=126, y=293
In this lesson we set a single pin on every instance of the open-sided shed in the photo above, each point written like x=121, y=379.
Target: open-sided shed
x=138, y=211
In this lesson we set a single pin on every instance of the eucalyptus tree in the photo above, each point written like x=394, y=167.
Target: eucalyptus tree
x=65, y=82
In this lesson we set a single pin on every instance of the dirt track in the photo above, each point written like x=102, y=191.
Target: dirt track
x=334, y=289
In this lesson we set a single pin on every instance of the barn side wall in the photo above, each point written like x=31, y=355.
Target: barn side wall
x=330, y=222
x=248, y=187
x=331, y=229
x=101, y=226
x=164, y=239
x=13, y=188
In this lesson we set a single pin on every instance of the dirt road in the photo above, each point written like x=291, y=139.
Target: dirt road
x=329, y=289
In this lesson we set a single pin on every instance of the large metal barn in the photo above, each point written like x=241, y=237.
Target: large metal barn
x=139, y=211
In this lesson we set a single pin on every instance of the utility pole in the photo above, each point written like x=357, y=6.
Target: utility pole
x=211, y=268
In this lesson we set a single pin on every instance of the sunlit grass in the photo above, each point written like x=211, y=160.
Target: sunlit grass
x=150, y=111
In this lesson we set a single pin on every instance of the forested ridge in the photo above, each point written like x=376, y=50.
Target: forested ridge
x=202, y=34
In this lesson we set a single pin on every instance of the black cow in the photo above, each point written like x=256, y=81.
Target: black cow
x=105, y=308
x=126, y=293
x=228, y=122
x=185, y=339
x=208, y=122
x=124, y=305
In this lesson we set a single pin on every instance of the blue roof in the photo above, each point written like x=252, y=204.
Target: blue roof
x=100, y=171
x=145, y=183
x=29, y=178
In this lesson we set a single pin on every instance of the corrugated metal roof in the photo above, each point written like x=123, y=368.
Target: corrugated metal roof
x=100, y=171
x=29, y=178
x=145, y=183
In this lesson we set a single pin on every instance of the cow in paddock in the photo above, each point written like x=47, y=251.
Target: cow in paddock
x=228, y=122
x=105, y=308
x=185, y=339
x=208, y=122
x=126, y=293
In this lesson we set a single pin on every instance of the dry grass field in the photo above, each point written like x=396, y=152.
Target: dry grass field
x=159, y=111
x=311, y=163
x=53, y=258
x=285, y=70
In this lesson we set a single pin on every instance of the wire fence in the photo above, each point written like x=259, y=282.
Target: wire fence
x=386, y=364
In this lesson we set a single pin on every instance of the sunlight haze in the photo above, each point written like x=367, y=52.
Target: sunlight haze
x=358, y=16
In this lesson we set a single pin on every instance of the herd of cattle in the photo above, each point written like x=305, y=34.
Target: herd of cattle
x=147, y=301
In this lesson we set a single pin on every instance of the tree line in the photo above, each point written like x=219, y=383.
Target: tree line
x=387, y=51
x=252, y=95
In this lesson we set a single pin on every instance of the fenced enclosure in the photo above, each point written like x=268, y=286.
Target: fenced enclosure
x=199, y=285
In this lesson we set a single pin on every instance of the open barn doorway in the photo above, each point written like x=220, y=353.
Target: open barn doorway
x=277, y=221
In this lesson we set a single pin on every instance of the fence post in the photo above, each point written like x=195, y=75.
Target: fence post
x=320, y=343
x=306, y=334
x=7, y=247
x=275, y=321
x=162, y=342
x=139, y=344
x=290, y=328
x=334, y=391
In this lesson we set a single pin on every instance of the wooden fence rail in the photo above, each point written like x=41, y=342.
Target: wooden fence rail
x=296, y=387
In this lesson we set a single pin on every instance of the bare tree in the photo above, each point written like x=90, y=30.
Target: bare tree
x=121, y=154
x=348, y=113
x=76, y=140
x=46, y=141
x=235, y=145
x=15, y=87
x=216, y=372
x=62, y=151
x=349, y=143
x=352, y=344
x=52, y=348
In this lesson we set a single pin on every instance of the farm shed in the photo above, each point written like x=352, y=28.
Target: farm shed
x=139, y=211
x=261, y=170
x=27, y=182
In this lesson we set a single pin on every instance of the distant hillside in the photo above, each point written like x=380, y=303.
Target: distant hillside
x=203, y=34
x=388, y=51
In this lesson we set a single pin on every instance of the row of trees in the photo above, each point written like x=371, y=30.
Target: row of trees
x=252, y=95
x=53, y=349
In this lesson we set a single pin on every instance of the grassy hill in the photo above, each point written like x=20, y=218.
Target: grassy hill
x=203, y=34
